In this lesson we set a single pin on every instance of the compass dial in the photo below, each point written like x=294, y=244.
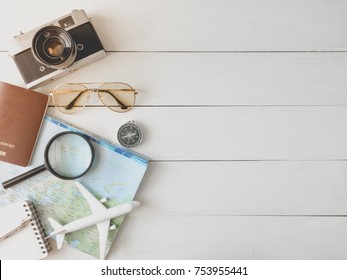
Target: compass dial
x=130, y=135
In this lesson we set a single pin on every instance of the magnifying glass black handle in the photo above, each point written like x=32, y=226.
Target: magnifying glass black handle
x=23, y=176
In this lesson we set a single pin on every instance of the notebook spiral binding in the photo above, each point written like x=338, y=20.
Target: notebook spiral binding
x=37, y=227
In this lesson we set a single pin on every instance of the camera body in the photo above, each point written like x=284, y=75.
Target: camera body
x=56, y=49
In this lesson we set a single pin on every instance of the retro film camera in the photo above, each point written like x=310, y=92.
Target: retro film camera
x=56, y=49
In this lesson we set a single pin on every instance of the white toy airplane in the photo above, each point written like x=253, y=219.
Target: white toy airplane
x=101, y=217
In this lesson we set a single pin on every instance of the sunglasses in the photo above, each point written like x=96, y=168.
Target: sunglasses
x=72, y=97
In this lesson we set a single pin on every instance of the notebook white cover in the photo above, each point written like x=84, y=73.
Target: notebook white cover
x=26, y=244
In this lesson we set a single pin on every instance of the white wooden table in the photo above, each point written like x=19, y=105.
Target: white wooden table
x=244, y=106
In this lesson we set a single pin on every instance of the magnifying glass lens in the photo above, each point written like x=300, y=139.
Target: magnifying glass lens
x=69, y=155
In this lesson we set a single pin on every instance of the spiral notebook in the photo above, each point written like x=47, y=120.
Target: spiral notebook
x=21, y=233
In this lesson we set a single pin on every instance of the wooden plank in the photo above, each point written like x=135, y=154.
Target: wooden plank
x=223, y=237
x=130, y=25
x=232, y=133
x=216, y=79
x=243, y=188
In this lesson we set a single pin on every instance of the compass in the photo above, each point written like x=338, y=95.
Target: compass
x=130, y=134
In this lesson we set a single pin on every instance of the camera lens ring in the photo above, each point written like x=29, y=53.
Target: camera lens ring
x=54, y=47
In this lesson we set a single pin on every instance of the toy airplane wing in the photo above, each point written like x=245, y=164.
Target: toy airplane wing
x=97, y=207
x=103, y=228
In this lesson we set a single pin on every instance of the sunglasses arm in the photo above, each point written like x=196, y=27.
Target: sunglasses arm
x=120, y=103
x=73, y=101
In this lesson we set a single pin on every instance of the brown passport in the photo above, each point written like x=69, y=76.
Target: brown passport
x=21, y=115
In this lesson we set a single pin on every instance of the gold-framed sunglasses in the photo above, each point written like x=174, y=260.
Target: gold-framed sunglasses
x=70, y=98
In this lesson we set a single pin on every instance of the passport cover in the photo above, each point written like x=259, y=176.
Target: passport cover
x=21, y=115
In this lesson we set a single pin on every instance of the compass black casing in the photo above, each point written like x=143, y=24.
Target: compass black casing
x=130, y=134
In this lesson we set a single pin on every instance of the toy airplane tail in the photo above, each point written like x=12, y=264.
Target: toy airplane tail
x=58, y=234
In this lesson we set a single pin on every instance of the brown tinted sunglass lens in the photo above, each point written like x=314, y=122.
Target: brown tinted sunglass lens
x=118, y=97
x=70, y=98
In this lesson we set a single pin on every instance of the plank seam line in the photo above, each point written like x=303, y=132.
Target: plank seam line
x=245, y=160
x=231, y=215
x=226, y=52
x=234, y=52
x=223, y=106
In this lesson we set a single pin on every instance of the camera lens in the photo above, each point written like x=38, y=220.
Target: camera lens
x=54, y=47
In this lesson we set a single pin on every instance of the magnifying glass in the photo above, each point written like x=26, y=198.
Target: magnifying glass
x=68, y=155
